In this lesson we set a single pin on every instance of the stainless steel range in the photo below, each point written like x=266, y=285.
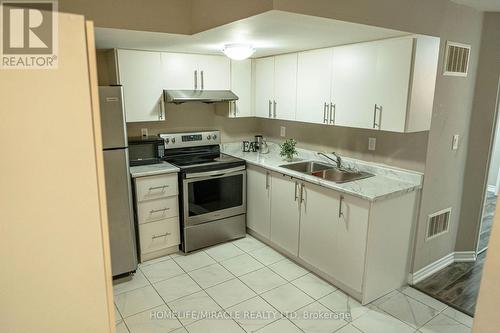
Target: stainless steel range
x=212, y=187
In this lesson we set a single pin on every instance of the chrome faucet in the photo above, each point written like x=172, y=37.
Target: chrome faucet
x=338, y=160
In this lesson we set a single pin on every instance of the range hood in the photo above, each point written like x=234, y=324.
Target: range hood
x=205, y=96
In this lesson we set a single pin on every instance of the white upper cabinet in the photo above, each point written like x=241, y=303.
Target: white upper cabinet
x=241, y=85
x=142, y=86
x=182, y=71
x=215, y=72
x=392, y=82
x=354, y=84
x=285, y=86
x=276, y=87
x=264, y=87
x=179, y=71
x=314, y=76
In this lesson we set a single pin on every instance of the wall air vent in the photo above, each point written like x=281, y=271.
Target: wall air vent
x=456, y=59
x=438, y=223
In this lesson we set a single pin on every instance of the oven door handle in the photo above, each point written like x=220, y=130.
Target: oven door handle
x=214, y=173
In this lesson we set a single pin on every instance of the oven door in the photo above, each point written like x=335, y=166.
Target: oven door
x=214, y=195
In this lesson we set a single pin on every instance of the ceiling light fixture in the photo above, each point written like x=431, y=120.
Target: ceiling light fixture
x=238, y=51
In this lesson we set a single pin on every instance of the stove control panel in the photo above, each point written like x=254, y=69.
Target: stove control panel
x=191, y=139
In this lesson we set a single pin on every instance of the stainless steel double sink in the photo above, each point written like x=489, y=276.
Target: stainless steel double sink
x=327, y=171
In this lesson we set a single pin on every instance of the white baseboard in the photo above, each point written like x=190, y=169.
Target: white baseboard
x=492, y=188
x=432, y=268
x=465, y=256
x=422, y=274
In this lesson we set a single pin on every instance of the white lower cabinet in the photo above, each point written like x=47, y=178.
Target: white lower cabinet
x=362, y=247
x=285, y=213
x=157, y=215
x=259, y=200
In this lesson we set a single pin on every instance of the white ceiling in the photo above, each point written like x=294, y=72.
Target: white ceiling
x=272, y=32
x=481, y=5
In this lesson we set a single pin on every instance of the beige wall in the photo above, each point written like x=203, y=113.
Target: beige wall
x=481, y=133
x=402, y=150
x=55, y=260
x=197, y=116
x=487, y=319
x=453, y=100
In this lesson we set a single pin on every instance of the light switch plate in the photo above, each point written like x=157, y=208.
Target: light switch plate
x=456, y=139
x=282, y=131
x=372, y=142
x=144, y=131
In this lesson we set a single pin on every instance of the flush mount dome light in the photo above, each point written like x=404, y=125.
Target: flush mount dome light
x=238, y=51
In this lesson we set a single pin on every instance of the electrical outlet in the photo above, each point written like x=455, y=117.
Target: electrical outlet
x=372, y=142
x=282, y=131
x=144, y=131
x=455, y=142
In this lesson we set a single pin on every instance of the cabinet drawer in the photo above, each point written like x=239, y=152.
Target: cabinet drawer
x=158, y=235
x=158, y=209
x=156, y=187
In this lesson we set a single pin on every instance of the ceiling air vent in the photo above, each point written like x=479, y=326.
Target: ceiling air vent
x=438, y=223
x=456, y=59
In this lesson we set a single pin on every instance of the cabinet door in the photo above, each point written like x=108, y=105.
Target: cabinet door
x=351, y=233
x=140, y=77
x=180, y=71
x=354, y=84
x=392, y=82
x=264, y=87
x=319, y=225
x=285, y=211
x=214, y=72
x=241, y=85
x=285, y=86
x=314, y=75
x=259, y=200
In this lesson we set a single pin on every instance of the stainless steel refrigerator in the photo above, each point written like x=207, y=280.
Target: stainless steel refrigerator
x=118, y=188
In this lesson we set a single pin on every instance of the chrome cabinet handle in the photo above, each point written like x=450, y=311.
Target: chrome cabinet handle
x=152, y=211
x=267, y=180
x=296, y=185
x=274, y=104
x=302, y=186
x=341, y=213
x=325, y=107
x=379, y=109
x=270, y=115
x=234, y=108
x=160, y=236
x=202, y=81
x=195, y=79
x=333, y=111
x=158, y=187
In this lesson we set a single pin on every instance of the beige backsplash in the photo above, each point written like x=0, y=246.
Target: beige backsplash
x=406, y=151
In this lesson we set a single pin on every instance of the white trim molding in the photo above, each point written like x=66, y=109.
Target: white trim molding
x=436, y=266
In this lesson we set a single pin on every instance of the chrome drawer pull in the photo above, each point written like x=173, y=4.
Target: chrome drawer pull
x=160, y=236
x=158, y=187
x=152, y=211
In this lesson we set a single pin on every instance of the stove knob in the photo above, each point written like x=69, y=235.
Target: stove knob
x=173, y=140
x=208, y=137
x=167, y=140
x=214, y=136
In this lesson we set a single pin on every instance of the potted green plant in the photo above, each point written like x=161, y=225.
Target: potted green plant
x=288, y=149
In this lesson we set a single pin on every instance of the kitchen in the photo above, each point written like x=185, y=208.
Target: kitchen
x=327, y=213
x=281, y=171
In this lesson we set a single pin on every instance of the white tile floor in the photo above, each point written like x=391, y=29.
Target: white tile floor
x=245, y=286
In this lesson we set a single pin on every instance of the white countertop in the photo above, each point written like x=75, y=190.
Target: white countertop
x=387, y=182
x=152, y=169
